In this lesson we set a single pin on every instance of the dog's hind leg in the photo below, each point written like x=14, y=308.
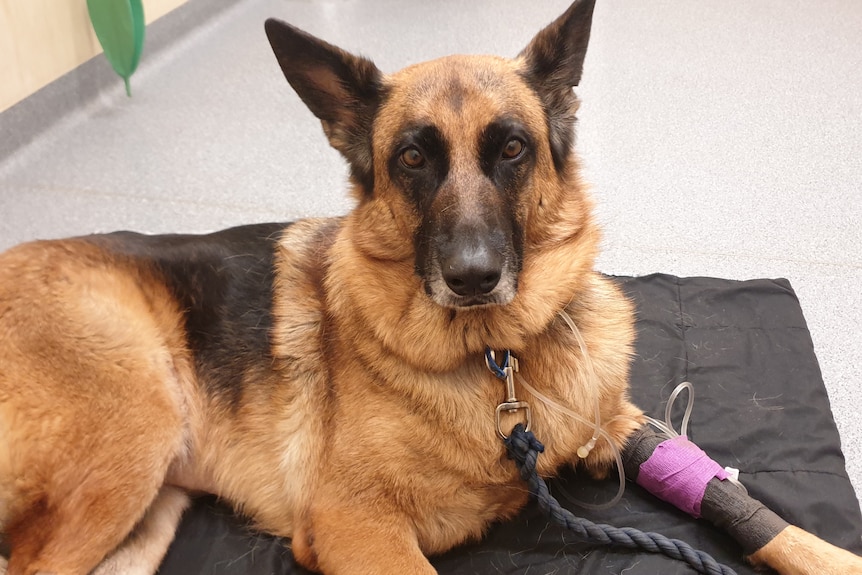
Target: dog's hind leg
x=70, y=533
x=143, y=551
x=81, y=497
x=93, y=403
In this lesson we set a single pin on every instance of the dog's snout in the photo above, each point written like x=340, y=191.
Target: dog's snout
x=472, y=269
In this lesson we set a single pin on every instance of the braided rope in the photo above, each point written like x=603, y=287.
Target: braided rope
x=524, y=448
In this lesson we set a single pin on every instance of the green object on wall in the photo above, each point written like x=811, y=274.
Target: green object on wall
x=119, y=26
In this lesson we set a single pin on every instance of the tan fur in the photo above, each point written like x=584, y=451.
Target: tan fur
x=87, y=345
x=797, y=552
x=143, y=550
x=371, y=439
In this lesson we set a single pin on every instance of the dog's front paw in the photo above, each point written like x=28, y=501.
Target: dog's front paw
x=797, y=552
x=602, y=459
x=122, y=562
x=599, y=471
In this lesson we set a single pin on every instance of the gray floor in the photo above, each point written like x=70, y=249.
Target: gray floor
x=722, y=139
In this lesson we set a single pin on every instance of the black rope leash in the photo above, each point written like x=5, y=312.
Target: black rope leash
x=524, y=449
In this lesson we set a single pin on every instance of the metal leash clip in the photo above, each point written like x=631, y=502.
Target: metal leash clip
x=511, y=405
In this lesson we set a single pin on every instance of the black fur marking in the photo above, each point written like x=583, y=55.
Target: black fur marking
x=456, y=95
x=508, y=175
x=560, y=116
x=224, y=285
x=421, y=184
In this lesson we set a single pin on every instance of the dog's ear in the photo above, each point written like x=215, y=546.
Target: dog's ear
x=553, y=63
x=342, y=90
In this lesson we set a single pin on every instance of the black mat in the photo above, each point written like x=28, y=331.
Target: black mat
x=761, y=407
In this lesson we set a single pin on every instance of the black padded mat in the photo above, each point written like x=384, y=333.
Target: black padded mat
x=760, y=406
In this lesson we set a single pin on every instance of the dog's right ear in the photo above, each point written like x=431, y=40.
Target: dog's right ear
x=342, y=90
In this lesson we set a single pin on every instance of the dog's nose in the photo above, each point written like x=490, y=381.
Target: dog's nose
x=472, y=270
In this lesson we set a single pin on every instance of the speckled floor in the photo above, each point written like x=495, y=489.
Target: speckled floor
x=722, y=139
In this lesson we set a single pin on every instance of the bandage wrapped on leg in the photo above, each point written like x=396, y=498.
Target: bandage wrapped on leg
x=677, y=471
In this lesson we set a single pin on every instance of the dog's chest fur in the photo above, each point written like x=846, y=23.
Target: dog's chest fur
x=326, y=410
x=317, y=410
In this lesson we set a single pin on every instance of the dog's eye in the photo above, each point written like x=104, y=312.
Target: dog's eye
x=513, y=149
x=412, y=158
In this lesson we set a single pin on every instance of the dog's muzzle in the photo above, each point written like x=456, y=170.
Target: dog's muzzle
x=472, y=268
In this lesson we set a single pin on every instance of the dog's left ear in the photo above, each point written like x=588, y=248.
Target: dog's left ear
x=553, y=63
x=341, y=89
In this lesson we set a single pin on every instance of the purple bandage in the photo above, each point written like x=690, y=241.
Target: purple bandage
x=677, y=472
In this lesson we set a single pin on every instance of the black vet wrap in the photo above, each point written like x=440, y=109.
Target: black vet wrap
x=725, y=504
x=640, y=446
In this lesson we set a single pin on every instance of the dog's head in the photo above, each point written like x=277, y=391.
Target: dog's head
x=452, y=160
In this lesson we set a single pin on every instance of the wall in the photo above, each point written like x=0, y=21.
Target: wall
x=40, y=40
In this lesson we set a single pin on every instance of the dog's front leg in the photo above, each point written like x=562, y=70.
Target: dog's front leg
x=663, y=467
x=797, y=552
x=342, y=539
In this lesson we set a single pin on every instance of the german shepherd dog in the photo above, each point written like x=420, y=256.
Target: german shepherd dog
x=327, y=378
